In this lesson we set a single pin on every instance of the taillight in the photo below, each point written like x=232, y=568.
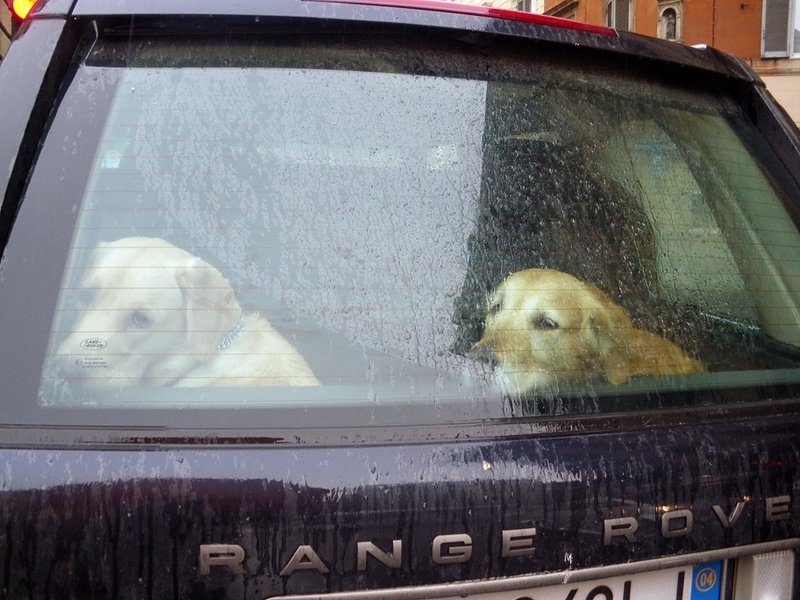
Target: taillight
x=21, y=8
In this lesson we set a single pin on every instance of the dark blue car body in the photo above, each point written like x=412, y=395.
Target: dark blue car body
x=137, y=507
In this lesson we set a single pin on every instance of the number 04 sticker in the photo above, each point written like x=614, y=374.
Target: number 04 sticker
x=706, y=581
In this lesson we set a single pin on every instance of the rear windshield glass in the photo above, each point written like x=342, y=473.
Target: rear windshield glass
x=293, y=225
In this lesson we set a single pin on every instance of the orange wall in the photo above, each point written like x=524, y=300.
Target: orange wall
x=587, y=11
x=737, y=27
x=730, y=25
x=645, y=17
x=697, y=20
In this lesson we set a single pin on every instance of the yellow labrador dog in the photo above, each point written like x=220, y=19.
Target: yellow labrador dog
x=545, y=326
x=154, y=314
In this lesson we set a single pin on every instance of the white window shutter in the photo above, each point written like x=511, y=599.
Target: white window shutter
x=622, y=15
x=776, y=28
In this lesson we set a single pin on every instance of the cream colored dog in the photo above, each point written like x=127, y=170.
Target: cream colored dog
x=545, y=326
x=153, y=314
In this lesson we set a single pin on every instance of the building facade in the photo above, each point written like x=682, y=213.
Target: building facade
x=764, y=33
x=5, y=28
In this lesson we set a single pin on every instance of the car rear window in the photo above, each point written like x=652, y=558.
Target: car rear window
x=294, y=223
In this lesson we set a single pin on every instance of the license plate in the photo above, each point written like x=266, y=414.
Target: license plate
x=700, y=582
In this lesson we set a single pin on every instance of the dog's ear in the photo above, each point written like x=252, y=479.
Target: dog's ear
x=212, y=308
x=97, y=253
x=608, y=328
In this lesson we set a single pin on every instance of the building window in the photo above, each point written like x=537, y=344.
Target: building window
x=619, y=14
x=523, y=5
x=781, y=29
x=669, y=20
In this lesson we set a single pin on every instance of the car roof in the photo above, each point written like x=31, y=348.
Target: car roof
x=424, y=13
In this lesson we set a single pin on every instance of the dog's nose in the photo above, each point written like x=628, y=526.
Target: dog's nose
x=482, y=350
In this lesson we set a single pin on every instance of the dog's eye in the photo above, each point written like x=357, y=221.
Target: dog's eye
x=545, y=323
x=494, y=308
x=140, y=320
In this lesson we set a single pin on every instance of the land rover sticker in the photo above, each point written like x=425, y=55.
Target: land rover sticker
x=93, y=344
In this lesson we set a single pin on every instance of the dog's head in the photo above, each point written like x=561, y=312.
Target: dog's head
x=544, y=326
x=148, y=312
